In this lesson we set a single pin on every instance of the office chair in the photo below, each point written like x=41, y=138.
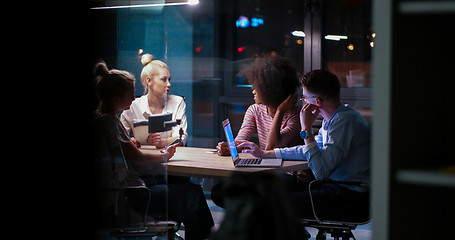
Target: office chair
x=342, y=226
x=119, y=219
x=128, y=223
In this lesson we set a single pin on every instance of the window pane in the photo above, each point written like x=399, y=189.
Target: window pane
x=347, y=41
x=265, y=28
x=205, y=46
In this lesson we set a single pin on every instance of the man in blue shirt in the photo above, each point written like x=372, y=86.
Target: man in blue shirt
x=340, y=151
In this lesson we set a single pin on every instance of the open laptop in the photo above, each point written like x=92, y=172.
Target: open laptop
x=246, y=162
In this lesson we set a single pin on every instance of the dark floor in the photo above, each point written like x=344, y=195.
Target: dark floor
x=362, y=232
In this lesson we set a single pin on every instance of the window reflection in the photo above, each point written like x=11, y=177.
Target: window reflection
x=205, y=46
x=266, y=28
x=348, y=40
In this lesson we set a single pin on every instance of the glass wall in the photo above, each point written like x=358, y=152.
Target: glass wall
x=347, y=39
x=205, y=44
x=347, y=42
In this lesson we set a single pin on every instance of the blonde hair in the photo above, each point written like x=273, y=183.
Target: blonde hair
x=151, y=67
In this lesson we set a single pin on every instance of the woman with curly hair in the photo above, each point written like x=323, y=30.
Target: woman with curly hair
x=274, y=115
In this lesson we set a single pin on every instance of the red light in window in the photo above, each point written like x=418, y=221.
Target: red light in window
x=240, y=49
x=198, y=49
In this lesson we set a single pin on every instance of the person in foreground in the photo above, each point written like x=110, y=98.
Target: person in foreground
x=118, y=162
x=340, y=151
x=257, y=207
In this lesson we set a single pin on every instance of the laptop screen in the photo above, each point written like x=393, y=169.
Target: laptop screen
x=230, y=138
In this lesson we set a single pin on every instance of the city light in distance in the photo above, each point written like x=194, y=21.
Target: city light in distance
x=244, y=22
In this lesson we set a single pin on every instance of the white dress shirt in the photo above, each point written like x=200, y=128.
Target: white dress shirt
x=174, y=104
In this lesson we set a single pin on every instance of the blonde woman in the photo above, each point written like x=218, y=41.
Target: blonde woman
x=156, y=79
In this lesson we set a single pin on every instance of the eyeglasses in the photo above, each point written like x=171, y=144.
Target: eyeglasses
x=304, y=98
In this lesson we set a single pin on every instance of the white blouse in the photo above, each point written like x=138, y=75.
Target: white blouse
x=140, y=107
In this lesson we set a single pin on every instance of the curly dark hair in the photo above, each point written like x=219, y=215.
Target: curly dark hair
x=274, y=77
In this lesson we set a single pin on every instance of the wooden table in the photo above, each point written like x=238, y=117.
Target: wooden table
x=204, y=162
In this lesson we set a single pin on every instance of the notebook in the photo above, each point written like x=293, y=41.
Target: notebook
x=246, y=162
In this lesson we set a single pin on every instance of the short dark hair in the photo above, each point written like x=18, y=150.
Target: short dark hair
x=323, y=83
x=274, y=77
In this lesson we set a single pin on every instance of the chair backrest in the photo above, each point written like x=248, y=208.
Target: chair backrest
x=357, y=212
x=346, y=220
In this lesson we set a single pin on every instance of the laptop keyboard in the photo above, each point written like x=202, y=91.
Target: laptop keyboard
x=250, y=161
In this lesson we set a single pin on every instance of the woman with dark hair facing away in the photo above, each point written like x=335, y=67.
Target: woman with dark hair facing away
x=117, y=157
x=274, y=115
x=115, y=92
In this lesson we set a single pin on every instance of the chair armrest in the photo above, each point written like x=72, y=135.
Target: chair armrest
x=352, y=183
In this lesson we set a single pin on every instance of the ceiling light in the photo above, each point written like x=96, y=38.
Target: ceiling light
x=298, y=33
x=158, y=4
x=335, y=37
